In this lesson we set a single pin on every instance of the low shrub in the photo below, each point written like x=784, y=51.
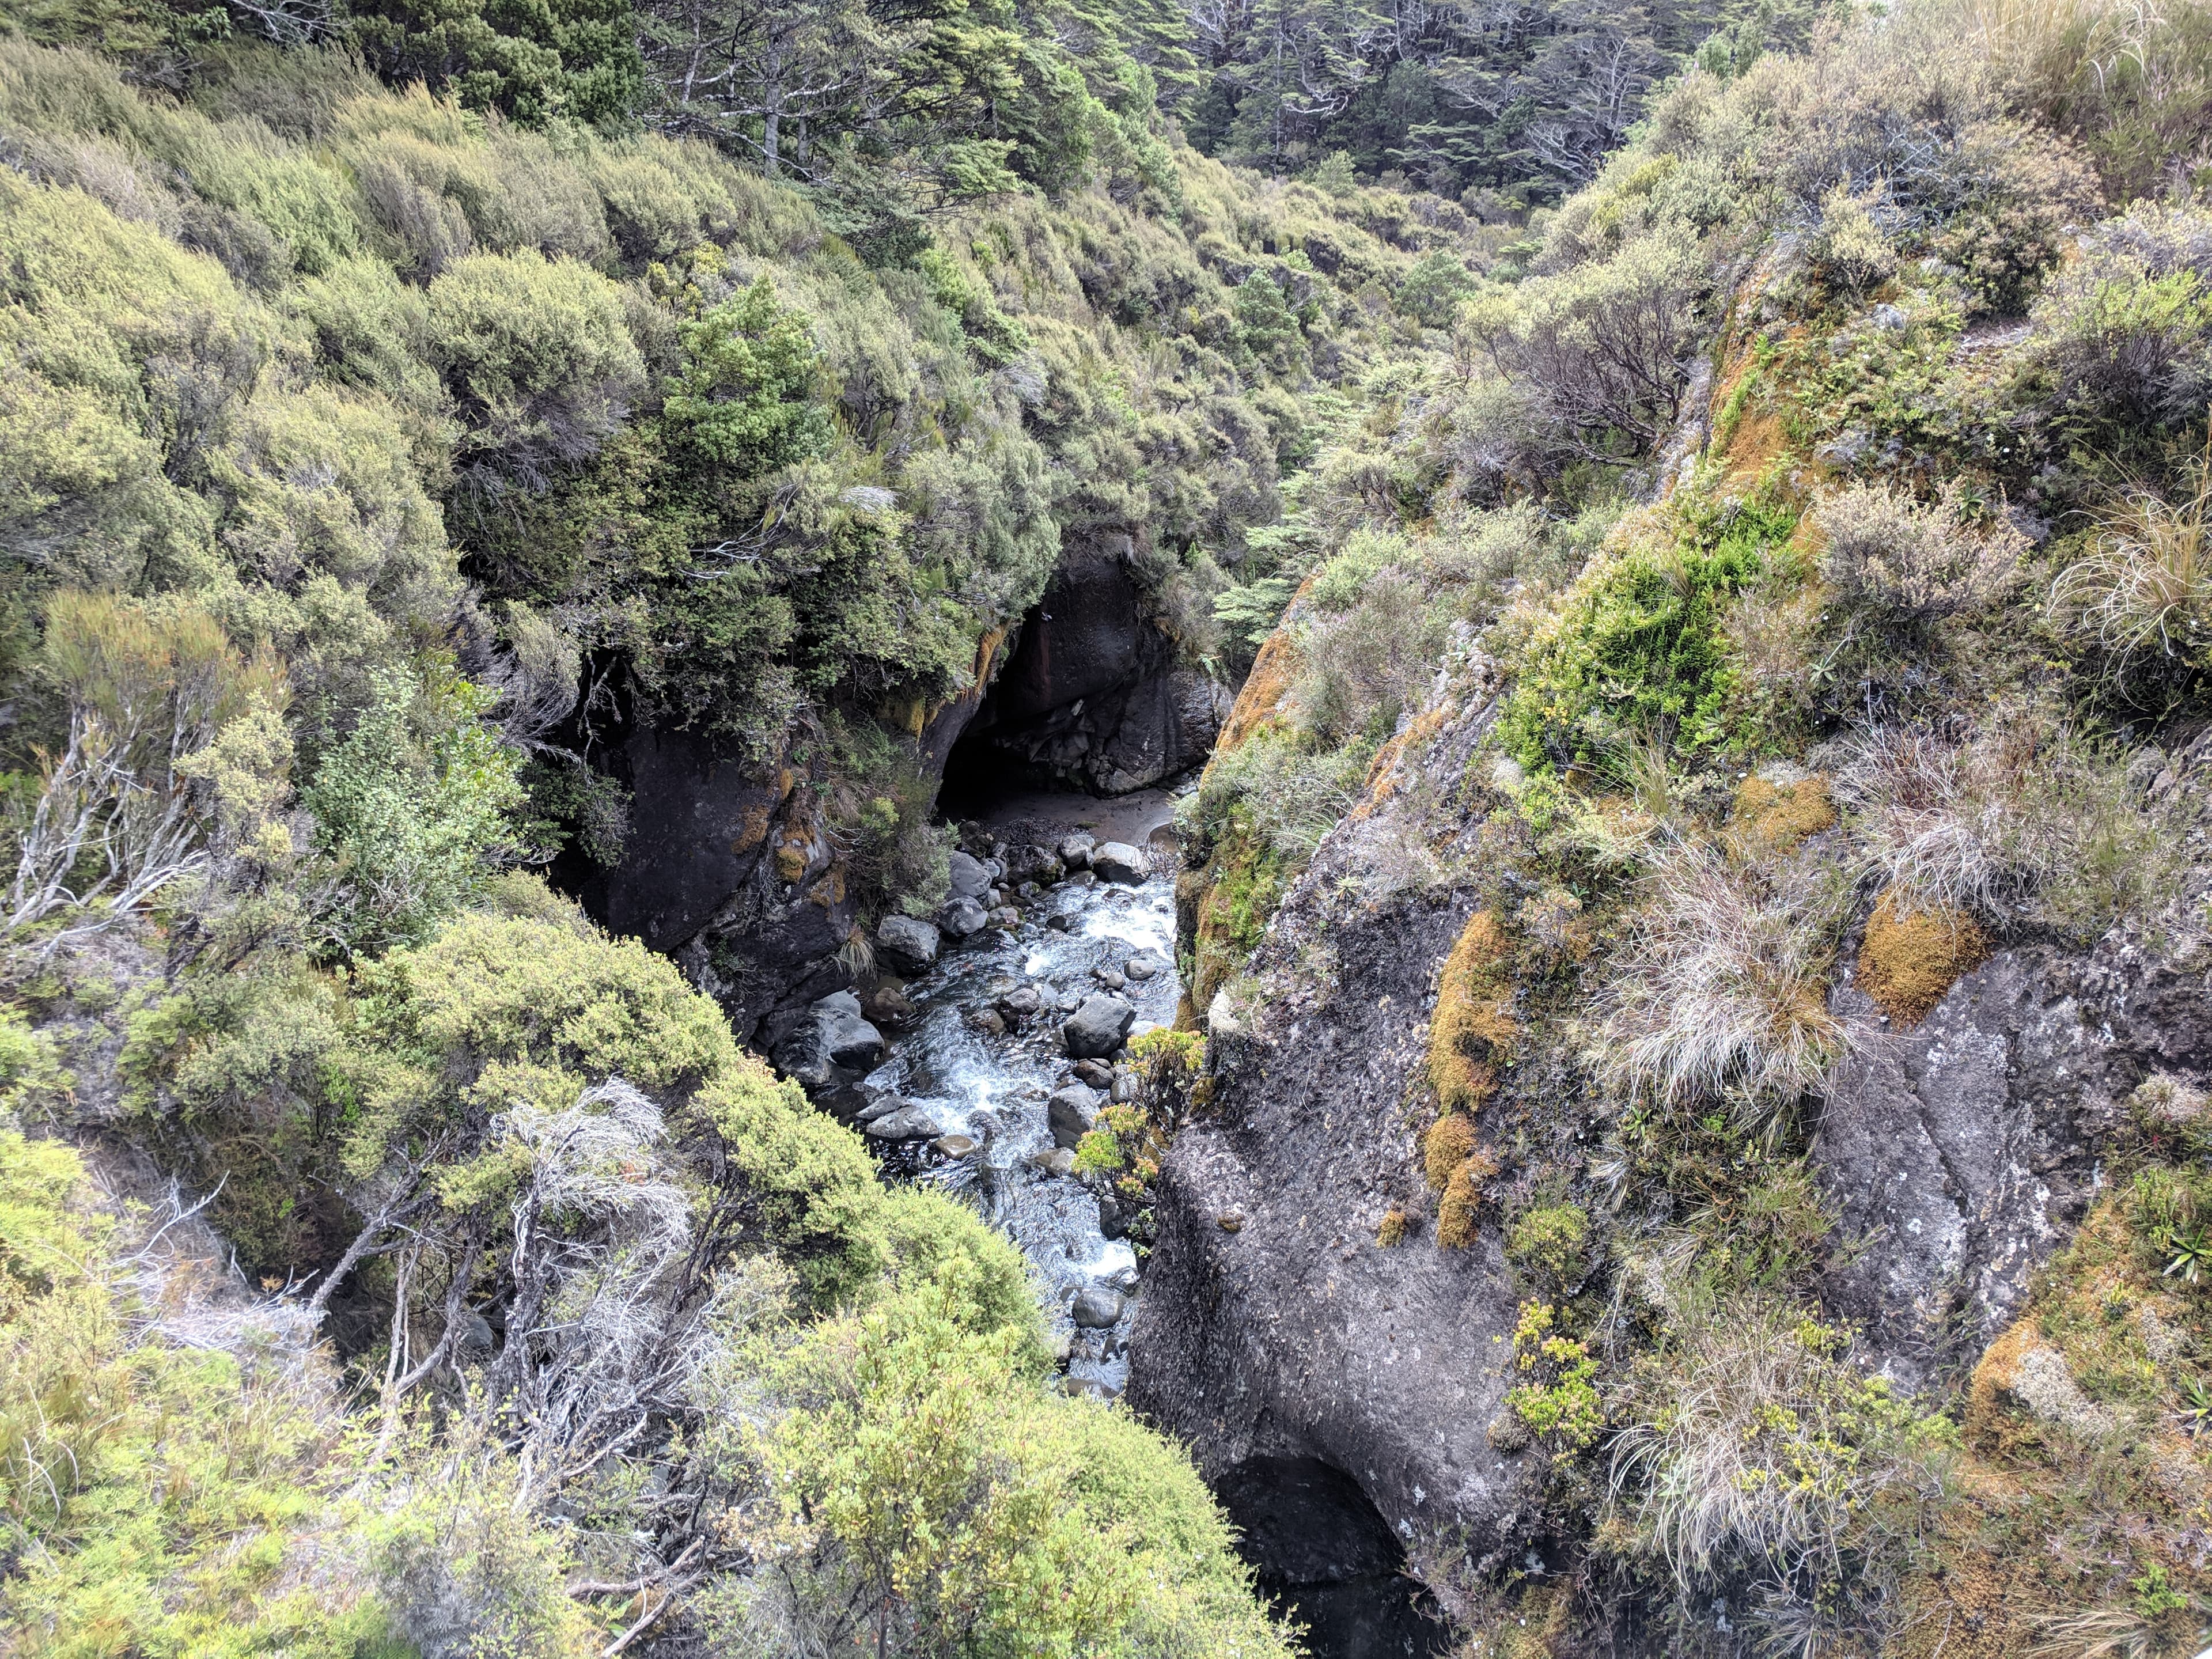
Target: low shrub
x=1549, y=1242
x=1896, y=567
x=1557, y=1397
x=1910, y=957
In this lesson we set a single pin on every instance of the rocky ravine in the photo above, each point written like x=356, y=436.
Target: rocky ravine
x=1338, y=1392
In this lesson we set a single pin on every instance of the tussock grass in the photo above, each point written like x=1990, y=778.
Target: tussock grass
x=1722, y=988
x=2145, y=588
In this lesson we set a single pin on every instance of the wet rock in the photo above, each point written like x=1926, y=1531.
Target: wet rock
x=888, y=1005
x=833, y=1043
x=1095, y=1073
x=1095, y=1029
x=989, y=1021
x=1112, y=978
x=906, y=943
x=908, y=1123
x=1142, y=967
x=1020, y=1004
x=1075, y=849
x=1088, y=1387
x=971, y=878
x=1111, y=1222
x=1096, y=1307
x=1116, y=860
x=1059, y=921
x=1057, y=1162
x=1028, y=890
x=963, y=917
x=1072, y=1112
x=881, y=1106
x=956, y=1146
x=1005, y=916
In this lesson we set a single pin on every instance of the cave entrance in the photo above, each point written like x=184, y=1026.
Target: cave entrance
x=1326, y=1556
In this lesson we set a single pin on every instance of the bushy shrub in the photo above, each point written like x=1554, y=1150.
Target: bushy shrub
x=1897, y=567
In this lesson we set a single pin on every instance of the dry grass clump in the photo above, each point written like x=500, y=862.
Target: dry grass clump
x=1455, y=1214
x=1774, y=816
x=1723, y=990
x=1910, y=958
x=2145, y=589
x=1898, y=567
x=1473, y=1034
x=1753, y=1445
x=2023, y=816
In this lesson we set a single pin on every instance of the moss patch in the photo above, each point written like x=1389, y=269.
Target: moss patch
x=1911, y=957
x=1473, y=1035
x=1775, y=817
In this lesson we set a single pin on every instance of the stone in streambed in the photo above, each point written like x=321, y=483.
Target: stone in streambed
x=1057, y=1162
x=970, y=877
x=1111, y=1223
x=908, y=1123
x=1095, y=1029
x=963, y=916
x=907, y=944
x=1095, y=1073
x=956, y=1146
x=1141, y=966
x=1020, y=1003
x=1116, y=860
x=1075, y=849
x=1072, y=1111
x=1112, y=979
x=833, y=1045
x=1097, y=1307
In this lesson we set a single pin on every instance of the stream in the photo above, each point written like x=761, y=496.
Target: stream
x=1075, y=938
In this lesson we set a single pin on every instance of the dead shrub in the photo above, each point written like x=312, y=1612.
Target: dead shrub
x=1910, y=958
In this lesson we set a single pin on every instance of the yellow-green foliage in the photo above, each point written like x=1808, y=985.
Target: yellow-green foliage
x=1473, y=1034
x=916, y=1471
x=1910, y=958
x=1556, y=1396
x=1550, y=1242
x=156, y=1498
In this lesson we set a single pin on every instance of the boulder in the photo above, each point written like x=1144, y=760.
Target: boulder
x=989, y=1021
x=1095, y=1073
x=956, y=1146
x=1095, y=1029
x=1116, y=860
x=1020, y=1002
x=832, y=1044
x=971, y=877
x=907, y=1123
x=1111, y=1222
x=1112, y=978
x=1097, y=1307
x=963, y=916
x=908, y=944
x=1075, y=849
x=888, y=1005
x=1142, y=967
x=1057, y=1162
x=1072, y=1112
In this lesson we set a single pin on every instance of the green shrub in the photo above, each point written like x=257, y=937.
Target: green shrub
x=1549, y=1242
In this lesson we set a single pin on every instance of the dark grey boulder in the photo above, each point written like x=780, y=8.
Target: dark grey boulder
x=832, y=1044
x=1096, y=1028
x=1097, y=1307
x=971, y=877
x=1020, y=1002
x=907, y=944
x=908, y=1123
x=1116, y=860
x=963, y=916
x=1072, y=1111
x=1141, y=966
x=1075, y=849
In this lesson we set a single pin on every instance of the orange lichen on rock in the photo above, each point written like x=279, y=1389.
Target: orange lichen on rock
x=1383, y=771
x=1911, y=957
x=1260, y=701
x=1473, y=1034
x=1777, y=816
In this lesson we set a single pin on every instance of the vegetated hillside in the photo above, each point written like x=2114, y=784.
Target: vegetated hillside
x=1701, y=909
x=366, y=458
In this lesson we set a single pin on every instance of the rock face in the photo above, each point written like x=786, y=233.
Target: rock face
x=1965, y=1151
x=1096, y=1028
x=1093, y=696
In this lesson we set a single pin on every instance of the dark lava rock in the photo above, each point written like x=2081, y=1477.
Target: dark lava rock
x=832, y=1044
x=1966, y=1148
x=908, y=1123
x=1116, y=860
x=971, y=877
x=1072, y=1111
x=1111, y=1222
x=907, y=944
x=1096, y=1307
x=1141, y=966
x=1020, y=1002
x=1075, y=849
x=963, y=916
x=1095, y=1073
x=1096, y=1028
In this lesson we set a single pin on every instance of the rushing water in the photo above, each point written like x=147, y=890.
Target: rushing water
x=994, y=1089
